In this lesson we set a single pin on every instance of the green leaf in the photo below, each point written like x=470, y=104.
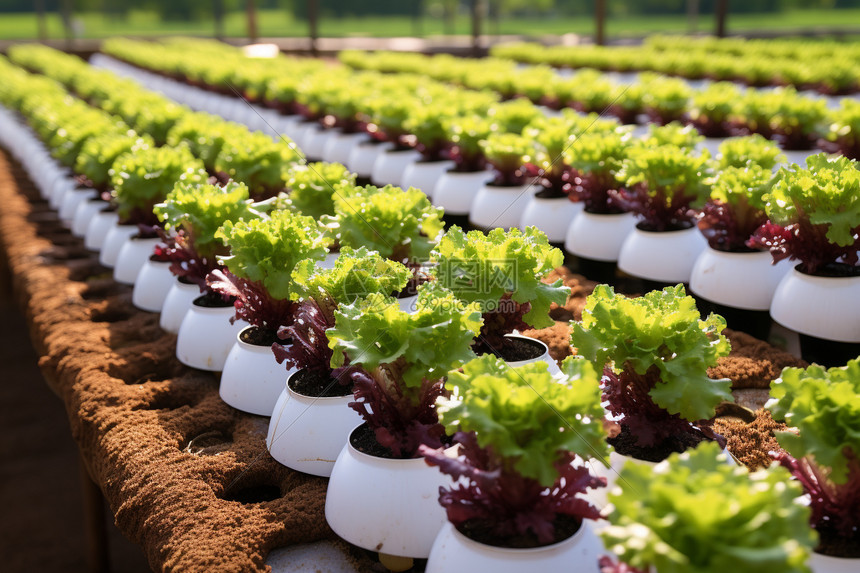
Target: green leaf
x=267, y=250
x=482, y=268
x=356, y=274
x=425, y=345
x=399, y=225
x=695, y=512
x=824, y=405
x=662, y=329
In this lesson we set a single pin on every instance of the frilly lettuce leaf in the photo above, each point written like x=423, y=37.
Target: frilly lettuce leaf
x=482, y=268
x=426, y=345
x=662, y=329
x=695, y=512
x=267, y=250
x=525, y=415
x=356, y=274
x=824, y=405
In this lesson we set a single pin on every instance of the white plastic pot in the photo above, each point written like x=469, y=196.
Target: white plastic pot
x=496, y=206
x=552, y=216
x=307, y=433
x=206, y=336
x=364, y=155
x=823, y=307
x=85, y=212
x=666, y=256
x=456, y=191
x=134, y=253
x=598, y=236
x=385, y=505
x=252, y=379
x=101, y=223
x=70, y=203
x=408, y=304
x=339, y=147
x=389, y=166
x=115, y=238
x=453, y=551
x=176, y=305
x=819, y=563
x=316, y=140
x=424, y=175
x=738, y=280
x=62, y=185
x=151, y=286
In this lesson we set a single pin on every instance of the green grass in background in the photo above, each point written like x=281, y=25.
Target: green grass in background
x=272, y=23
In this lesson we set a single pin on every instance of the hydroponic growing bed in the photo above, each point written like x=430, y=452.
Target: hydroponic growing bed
x=189, y=465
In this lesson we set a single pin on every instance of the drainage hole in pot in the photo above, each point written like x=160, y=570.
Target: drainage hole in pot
x=209, y=443
x=167, y=401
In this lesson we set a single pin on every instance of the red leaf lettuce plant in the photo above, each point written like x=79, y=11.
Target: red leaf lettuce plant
x=192, y=214
x=507, y=154
x=501, y=272
x=695, y=512
x=655, y=352
x=595, y=159
x=520, y=431
x=823, y=454
x=259, y=268
x=403, y=358
x=814, y=216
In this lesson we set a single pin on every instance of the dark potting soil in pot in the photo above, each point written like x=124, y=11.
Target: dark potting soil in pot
x=518, y=349
x=363, y=439
x=261, y=337
x=212, y=300
x=625, y=444
x=318, y=384
x=830, y=543
x=481, y=530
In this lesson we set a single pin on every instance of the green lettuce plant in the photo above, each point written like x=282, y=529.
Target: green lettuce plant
x=665, y=98
x=356, y=274
x=263, y=254
x=711, y=108
x=656, y=351
x=695, y=512
x=143, y=177
x=822, y=406
x=192, y=214
x=814, y=215
x=403, y=358
x=400, y=225
x=507, y=154
x=595, y=159
x=258, y=161
x=501, y=271
x=746, y=150
x=735, y=209
x=465, y=134
x=843, y=132
x=519, y=431
x=312, y=187
x=662, y=185
x=205, y=135
x=98, y=154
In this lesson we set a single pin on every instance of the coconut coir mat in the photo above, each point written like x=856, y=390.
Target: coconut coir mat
x=188, y=477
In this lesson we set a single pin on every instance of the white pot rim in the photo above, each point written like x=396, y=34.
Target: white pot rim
x=396, y=463
x=468, y=541
x=210, y=309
